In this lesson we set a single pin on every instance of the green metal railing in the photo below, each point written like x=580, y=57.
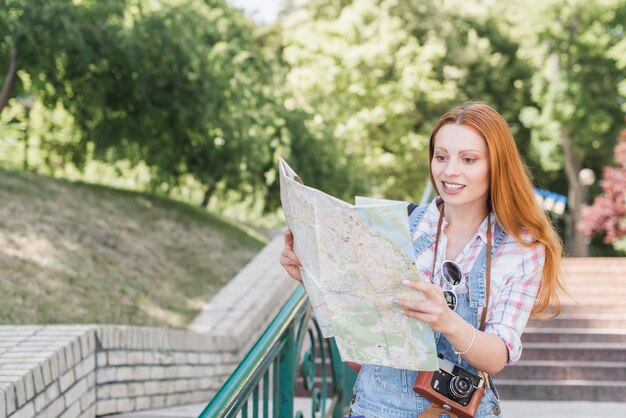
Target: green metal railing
x=290, y=359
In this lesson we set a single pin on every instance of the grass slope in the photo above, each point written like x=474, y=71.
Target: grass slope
x=79, y=253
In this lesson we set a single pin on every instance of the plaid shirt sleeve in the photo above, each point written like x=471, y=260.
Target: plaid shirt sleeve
x=512, y=301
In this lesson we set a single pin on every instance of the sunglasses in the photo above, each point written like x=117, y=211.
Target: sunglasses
x=453, y=275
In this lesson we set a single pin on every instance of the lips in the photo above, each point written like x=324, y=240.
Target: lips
x=453, y=187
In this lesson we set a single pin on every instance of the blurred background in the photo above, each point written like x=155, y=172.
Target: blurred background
x=195, y=99
x=139, y=145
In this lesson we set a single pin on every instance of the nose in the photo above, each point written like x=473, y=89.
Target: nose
x=451, y=168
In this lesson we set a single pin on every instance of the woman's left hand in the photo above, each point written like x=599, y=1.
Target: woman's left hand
x=433, y=309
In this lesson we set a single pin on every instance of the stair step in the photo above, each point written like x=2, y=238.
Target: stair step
x=605, y=281
x=587, y=315
x=577, y=290
x=565, y=370
x=579, y=390
x=594, y=299
x=575, y=351
x=582, y=321
x=594, y=309
x=574, y=335
x=581, y=354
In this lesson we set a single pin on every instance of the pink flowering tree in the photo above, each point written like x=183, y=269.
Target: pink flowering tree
x=608, y=213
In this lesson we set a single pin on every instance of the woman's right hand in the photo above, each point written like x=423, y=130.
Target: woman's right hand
x=289, y=259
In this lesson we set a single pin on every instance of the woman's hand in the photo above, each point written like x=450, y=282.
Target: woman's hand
x=433, y=310
x=288, y=258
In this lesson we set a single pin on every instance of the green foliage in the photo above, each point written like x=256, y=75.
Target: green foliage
x=576, y=78
x=392, y=69
x=181, y=86
x=355, y=71
x=577, y=111
x=202, y=99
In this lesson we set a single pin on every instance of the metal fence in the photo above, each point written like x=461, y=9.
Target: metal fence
x=291, y=371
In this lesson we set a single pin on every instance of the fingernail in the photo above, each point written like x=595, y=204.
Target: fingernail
x=394, y=301
x=405, y=281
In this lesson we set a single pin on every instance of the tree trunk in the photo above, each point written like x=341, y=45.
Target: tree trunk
x=577, y=243
x=207, y=195
x=9, y=81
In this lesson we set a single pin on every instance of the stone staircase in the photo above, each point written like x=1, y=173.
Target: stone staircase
x=581, y=354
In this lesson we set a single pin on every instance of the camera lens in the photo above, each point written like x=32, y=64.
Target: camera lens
x=460, y=387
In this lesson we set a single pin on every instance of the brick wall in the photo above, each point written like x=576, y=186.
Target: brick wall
x=143, y=368
x=47, y=370
x=84, y=371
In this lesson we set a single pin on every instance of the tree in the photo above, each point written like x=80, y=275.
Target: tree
x=180, y=85
x=608, y=213
x=38, y=35
x=577, y=113
x=381, y=72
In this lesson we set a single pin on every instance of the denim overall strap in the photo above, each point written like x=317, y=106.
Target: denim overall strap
x=477, y=285
x=415, y=218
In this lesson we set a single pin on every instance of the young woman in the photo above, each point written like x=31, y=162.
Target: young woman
x=485, y=201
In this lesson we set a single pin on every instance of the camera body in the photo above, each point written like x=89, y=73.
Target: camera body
x=451, y=387
x=455, y=383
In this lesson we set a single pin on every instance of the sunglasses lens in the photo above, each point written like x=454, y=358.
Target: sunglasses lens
x=450, y=298
x=451, y=272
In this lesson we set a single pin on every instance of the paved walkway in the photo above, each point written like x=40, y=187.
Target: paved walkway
x=563, y=409
x=511, y=409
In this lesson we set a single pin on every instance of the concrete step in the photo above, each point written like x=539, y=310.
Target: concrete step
x=574, y=390
x=575, y=351
x=574, y=335
x=578, y=283
x=579, y=320
x=585, y=294
x=600, y=274
x=594, y=264
x=607, y=298
x=594, y=309
x=562, y=409
x=565, y=370
x=511, y=408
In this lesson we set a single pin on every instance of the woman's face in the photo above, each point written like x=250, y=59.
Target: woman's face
x=460, y=166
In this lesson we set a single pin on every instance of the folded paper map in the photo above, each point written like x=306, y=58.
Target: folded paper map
x=354, y=258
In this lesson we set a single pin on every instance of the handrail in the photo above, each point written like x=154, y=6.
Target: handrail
x=277, y=351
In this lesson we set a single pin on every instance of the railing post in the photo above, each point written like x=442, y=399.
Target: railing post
x=343, y=378
x=287, y=365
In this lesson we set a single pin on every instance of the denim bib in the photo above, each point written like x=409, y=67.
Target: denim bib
x=385, y=392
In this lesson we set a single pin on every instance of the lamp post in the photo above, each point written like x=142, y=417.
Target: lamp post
x=586, y=177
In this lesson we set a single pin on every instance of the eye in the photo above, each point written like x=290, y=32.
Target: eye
x=440, y=158
x=468, y=160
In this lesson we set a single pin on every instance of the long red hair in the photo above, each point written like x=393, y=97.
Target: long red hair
x=511, y=194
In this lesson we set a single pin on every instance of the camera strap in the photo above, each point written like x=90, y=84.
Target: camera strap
x=434, y=411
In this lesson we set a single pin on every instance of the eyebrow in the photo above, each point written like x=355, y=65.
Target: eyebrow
x=463, y=150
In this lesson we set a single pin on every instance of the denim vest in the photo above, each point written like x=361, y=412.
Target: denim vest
x=385, y=392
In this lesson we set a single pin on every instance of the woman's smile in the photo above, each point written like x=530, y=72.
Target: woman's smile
x=452, y=187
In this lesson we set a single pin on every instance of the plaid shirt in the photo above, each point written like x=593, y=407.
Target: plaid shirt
x=515, y=276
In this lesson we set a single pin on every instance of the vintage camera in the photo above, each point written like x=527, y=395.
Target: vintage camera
x=455, y=383
x=451, y=387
